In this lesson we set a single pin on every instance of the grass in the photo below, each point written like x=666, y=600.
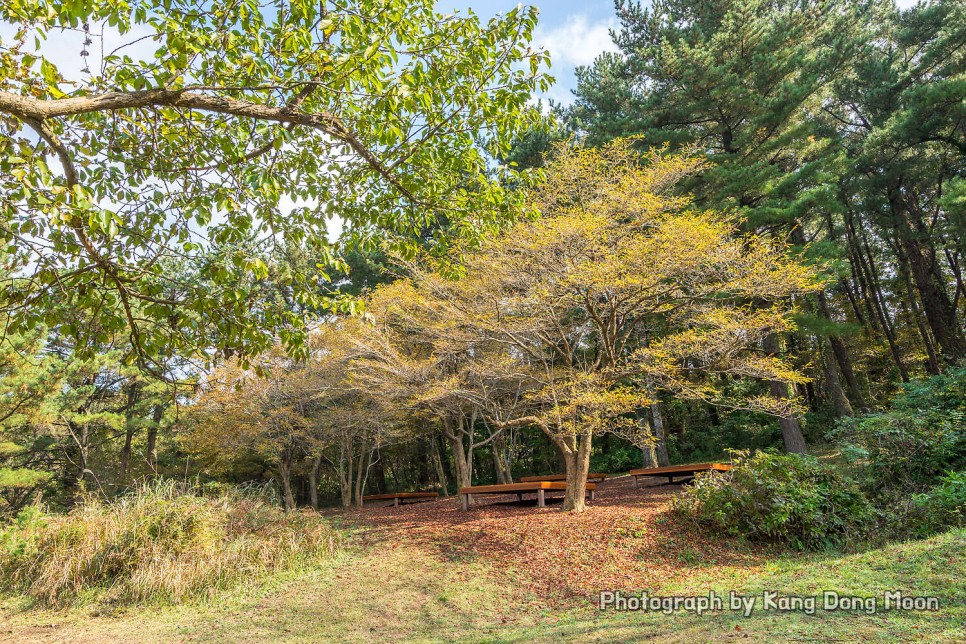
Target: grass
x=158, y=544
x=406, y=593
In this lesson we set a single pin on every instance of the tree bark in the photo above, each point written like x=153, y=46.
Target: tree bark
x=130, y=425
x=659, y=434
x=440, y=470
x=936, y=303
x=462, y=463
x=841, y=353
x=843, y=408
x=285, y=476
x=361, y=467
x=791, y=430
x=501, y=467
x=576, y=450
x=314, y=482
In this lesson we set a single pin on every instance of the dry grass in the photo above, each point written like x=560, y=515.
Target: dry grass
x=157, y=544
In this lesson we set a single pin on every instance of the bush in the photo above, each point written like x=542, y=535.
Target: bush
x=788, y=498
x=942, y=507
x=909, y=447
x=157, y=544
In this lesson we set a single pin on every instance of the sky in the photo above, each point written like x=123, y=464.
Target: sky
x=575, y=32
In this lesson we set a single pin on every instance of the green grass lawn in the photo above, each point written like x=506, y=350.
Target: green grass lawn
x=406, y=593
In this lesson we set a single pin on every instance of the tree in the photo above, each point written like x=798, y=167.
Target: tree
x=240, y=411
x=369, y=111
x=618, y=288
x=899, y=120
x=836, y=124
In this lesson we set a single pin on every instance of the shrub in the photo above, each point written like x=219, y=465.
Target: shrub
x=781, y=498
x=942, y=507
x=157, y=544
x=919, y=438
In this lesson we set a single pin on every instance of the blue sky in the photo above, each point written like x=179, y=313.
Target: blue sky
x=573, y=31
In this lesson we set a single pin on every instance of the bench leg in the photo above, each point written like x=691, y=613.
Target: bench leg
x=592, y=493
x=635, y=482
x=395, y=501
x=541, y=499
x=519, y=496
x=670, y=480
x=466, y=502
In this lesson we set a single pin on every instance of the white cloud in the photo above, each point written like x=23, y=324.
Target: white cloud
x=578, y=41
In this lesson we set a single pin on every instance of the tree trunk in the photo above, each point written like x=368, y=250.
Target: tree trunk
x=346, y=471
x=361, y=469
x=462, y=464
x=501, y=468
x=314, y=482
x=130, y=425
x=791, y=430
x=285, y=476
x=440, y=470
x=841, y=353
x=152, y=447
x=936, y=304
x=126, y=452
x=842, y=405
x=659, y=434
x=576, y=450
x=931, y=358
x=867, y=279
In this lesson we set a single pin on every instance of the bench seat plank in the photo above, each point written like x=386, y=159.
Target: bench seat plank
x=679, y=470
x=559, y=477
x=540, y=487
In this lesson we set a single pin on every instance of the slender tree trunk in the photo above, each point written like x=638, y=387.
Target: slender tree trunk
x=841, y=353
x=500, y=466
x=346, y=471
x=932, y=359
x=937, y=306
x=126, y=452
x=152, y=446
x=130, y=425
x=649, y=451
x=440, y=470
x=361, y=471
x=463, y=465
x=791, y=430
x=842, y=405
x=868, y=278
x=659, y=434
x=314, y=482
x=285, y=476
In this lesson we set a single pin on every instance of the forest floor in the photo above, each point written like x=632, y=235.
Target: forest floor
x=506, y=571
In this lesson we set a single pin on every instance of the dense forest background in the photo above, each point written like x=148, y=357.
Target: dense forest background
x=839, y=127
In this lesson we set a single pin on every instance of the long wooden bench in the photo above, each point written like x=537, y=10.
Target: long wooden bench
x=596, y=478
x=399, y=497
x=678, y=470
x=540, y=487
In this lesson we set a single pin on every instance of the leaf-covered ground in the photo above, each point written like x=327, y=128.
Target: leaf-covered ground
x=505, y=572
x=626, y=539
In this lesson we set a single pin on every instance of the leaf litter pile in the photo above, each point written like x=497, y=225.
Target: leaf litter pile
x=626, y=539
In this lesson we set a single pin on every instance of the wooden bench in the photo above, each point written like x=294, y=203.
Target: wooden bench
x=540, y=487
x=399, y=497
x=596, y=478
x=678, y=470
